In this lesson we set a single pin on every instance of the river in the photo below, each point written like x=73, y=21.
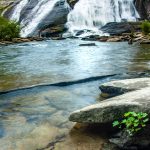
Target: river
x=36, y=118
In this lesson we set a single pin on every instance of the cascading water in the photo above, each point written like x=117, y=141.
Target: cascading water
x=41, y=10
x=87, y=15
x=35, y=15
x=17, y=11
x=93, y=14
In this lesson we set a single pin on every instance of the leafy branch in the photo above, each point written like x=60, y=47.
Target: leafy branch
x=132, y=122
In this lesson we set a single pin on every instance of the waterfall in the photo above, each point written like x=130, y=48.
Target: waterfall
x=17, y=11
x=93, y=14
x=41, y=10
x=35, y=15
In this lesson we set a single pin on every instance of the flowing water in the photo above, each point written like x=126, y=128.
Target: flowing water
x=30, y=14
x=17, y=11
x=88, y=15
x=38, y=15
x=37, y=118
x=93, y=14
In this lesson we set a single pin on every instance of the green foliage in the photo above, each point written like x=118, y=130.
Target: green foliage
x=132, y=122
x=145, y=27
x=8, y=29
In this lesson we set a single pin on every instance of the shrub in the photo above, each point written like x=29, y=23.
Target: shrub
x=145, y=27
x=8, y=29
x=132, y=122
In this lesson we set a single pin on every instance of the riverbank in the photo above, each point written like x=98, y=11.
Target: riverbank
x=137, y=38
x=21, y=40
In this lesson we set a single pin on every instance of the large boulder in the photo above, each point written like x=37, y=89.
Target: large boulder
x=114, y=108
x=118, y=28
x=115, y=88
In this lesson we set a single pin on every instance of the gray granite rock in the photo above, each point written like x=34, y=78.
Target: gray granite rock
x=115, y=88
x=113, y=108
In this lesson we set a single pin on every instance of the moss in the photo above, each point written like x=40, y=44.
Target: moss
x=145, y=27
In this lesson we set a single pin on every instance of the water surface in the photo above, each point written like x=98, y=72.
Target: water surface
x=37, y=118
x=55, y=61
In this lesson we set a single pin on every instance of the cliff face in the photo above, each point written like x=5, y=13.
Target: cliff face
x=143, y=7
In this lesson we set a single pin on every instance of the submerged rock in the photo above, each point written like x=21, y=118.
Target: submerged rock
x=88, y=44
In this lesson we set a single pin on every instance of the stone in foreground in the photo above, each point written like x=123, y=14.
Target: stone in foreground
x=115, y=88
x=113, y=108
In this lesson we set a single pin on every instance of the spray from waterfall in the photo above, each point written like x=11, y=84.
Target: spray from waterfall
x=90, y=15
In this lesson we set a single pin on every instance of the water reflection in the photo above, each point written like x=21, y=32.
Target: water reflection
x=54, y=61
x=141, y=59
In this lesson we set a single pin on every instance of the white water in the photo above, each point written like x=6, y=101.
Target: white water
x=93, y=14
x=16, y=13
x=41, y=10
x=36, y=14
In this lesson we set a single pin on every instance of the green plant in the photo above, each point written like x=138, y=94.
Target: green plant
x=8, y=29
x=132, y=122
x=145, y=27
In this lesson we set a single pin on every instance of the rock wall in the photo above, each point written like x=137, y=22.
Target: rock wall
x=143, y=7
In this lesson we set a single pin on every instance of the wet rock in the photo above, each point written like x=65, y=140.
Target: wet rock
x=113, y=108
x=92, y=38
x=140, y=141
x=143, y=8
x=57, y=38
x=119, y=87
x=72, y=2
x=21, y=40
x=146, y=41
x=114, y=39
x=6, y=42
x=115, y=28
x=53, y=31
x=103, y=38
x=88, y=44
x=1, y=43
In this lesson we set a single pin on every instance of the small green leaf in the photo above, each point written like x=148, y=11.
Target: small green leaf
x=146, y=120
x=115, y=123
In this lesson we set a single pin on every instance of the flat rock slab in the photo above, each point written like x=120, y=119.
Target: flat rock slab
x=119, y=87
x=114, y=108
